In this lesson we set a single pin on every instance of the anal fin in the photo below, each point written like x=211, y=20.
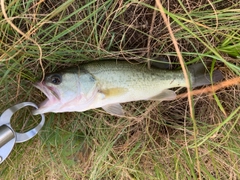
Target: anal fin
x=165, y=95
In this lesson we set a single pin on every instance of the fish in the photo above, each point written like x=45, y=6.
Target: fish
x=107, y=84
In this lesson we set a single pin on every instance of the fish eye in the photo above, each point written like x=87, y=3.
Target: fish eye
x=56, y=79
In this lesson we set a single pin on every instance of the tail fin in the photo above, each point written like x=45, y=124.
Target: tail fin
x=202, y=77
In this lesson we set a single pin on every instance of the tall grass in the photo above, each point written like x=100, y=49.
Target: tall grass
x=155, y=140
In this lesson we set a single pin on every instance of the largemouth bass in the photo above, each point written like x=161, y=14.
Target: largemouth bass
x=106, y=84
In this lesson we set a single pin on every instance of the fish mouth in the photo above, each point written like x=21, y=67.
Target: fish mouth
x=52, y=97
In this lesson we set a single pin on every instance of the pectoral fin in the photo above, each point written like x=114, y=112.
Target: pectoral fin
x=112, y=92
x=165, y=95
x=115, y=109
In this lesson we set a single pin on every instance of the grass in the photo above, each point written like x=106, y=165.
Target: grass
x=155, y=140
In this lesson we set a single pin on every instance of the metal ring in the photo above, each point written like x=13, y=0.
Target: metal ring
x=21, y=137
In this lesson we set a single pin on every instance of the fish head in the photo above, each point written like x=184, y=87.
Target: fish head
x=60, y=89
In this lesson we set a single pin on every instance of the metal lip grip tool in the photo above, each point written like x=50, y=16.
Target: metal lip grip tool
x=8, y=137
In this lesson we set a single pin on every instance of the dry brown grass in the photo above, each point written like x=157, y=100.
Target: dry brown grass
x=155, y=140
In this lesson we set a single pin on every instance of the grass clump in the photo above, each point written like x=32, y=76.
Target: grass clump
x=154, y=141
